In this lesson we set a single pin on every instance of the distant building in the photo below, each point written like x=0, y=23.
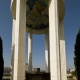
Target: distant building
x=6, y=74
x=70, y=76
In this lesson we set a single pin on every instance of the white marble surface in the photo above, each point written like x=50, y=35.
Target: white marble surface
x=57, y=42
x=62, y=51
x=54, y=41
x=30, y=52
x=47, y=55
x=20, y=38
x=12, y=48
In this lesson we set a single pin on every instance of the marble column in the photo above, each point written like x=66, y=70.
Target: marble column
x=47, y=55
x=20, y=39
x=55, y=73
x=30, y=52
x=12, y=48
x=62, y=51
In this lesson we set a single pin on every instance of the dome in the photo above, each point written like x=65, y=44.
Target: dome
x=37, y=15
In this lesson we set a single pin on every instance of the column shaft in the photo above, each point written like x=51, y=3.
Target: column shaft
x=62, y=52
x=47, y=55
x=20, y=38
x=54, y=41
x=12, y=48
x=30, y=52
x=13, y=32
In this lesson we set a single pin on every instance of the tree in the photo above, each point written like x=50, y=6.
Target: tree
x=1, y=60
x=77, y=55
x=73, y=73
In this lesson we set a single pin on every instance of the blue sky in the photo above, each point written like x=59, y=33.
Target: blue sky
x=71, y=23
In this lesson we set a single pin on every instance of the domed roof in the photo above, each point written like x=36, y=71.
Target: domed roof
x=37, y=14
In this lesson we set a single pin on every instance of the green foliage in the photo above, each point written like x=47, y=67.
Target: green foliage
x=77, y=55
x=1, y=60
x=69, y=76
x=1, y=50
x=73, y=73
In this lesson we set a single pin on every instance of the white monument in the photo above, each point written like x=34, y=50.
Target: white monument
x=38, y=17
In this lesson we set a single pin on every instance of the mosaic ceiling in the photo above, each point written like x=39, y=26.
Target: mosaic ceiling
x=37, y=14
